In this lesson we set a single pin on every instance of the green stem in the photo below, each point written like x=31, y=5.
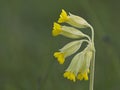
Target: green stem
x=92, y=72
x=92, y=30
x=92, y=65
x=88, y=37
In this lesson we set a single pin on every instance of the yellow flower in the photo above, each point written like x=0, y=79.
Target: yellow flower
x=73, y=20
x=67, y=50
x=63, y=17
x=69, y=75
x=67, y=31
x=60, y=57
x=56, y=29
x=79, y=66
x=82, y=76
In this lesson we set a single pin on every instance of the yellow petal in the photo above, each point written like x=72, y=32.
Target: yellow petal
x=60, y=57
x=56, y=29
x=63, y=17
x=80, y=77
x=85, y=75
x=69, y=75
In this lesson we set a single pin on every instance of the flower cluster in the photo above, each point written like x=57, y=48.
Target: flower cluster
x=80, y=64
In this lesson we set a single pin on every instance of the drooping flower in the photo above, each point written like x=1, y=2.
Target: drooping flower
x=67, y=31
x=73, y=20
x=79, y=66
x=67, y=50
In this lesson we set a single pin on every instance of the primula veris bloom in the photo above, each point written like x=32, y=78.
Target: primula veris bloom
x=67, y=31
x=67, y=50
x=79, y=66
x=72, y=20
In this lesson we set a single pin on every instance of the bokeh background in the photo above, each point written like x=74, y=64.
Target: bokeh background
x=26, y=44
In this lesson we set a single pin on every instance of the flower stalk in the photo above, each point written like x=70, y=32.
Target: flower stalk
x=92, y=68
x=83, y=60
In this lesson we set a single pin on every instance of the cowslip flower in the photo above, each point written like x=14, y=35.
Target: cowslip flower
x=67, y=31
x=67, y=50
x=79, y=66
x=72, y=20
x=81, y=62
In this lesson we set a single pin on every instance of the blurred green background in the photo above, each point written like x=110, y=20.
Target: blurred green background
x=26, y=44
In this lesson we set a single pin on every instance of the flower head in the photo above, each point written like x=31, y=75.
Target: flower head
x=67, y=50
x=73, y=20
x=67, y=31
x=79, y=66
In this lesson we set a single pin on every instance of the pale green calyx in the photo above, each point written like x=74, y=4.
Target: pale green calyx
x=71, y=32
x=77, y=21
x=81, y=62
x=67, y=31
x=71, y=47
